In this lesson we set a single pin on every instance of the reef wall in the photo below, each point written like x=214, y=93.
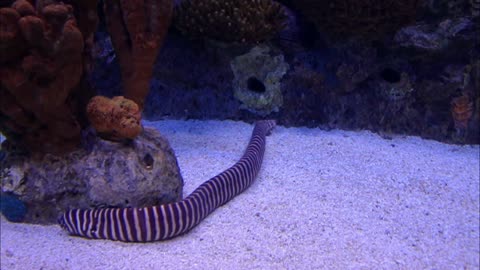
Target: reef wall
x=393, y=68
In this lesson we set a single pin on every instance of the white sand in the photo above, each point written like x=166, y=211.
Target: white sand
x=323, y=199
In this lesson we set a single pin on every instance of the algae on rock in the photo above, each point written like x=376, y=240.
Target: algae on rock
x=257, y=76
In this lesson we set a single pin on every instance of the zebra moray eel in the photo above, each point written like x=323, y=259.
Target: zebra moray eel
x=145, y=224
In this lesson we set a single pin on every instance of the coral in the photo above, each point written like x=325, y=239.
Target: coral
x=137, y=29
x=257, y=80
x=245, y=21
x=462, y=111
x=464, y=108
x=42, y=94
x=115, y=119
x=364, y=18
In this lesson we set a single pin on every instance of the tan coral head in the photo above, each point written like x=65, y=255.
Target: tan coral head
x=114, y=119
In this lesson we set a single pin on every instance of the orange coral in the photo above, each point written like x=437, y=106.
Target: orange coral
x=462, y=111
x=10, y=35
x=42, y=65
x=115, y=119
x=137, y=29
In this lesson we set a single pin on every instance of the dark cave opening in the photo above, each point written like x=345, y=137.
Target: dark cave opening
x=255, y=85
x=390, y=75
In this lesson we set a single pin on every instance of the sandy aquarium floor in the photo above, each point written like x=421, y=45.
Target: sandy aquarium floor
x=323, y=200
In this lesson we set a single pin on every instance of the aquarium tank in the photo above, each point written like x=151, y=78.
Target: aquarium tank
x=240, y=134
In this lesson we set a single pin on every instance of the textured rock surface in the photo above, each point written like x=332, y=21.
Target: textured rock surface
x=257, y=80
x=140, y=172
x=358, y=17
x=433, y=38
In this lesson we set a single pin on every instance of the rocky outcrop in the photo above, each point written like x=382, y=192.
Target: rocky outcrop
x=433, y=38
x=405, y=78
x=133, y=173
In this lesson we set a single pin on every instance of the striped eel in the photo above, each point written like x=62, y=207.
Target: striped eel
x=154, y=223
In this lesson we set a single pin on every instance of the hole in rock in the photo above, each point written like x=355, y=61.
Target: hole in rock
x=148, y=161
x=255, y=85
x=390, y=75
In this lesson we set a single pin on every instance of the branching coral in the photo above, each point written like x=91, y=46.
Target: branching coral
x=358, y=17
x=247, y=21
x=117, y=118
x=44, y=55
x=137, y=29
x=42, y=64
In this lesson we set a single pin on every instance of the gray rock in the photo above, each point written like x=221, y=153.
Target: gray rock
x=132, y=173
x=257, y=80
x=432, y=37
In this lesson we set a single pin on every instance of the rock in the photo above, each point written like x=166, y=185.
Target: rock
x=368, y=19
x=102, y=173
x=12, y=208
x=432, y=37
x=395, y=90
x=257, y=80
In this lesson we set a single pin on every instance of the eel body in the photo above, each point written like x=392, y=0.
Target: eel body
x=154, y=223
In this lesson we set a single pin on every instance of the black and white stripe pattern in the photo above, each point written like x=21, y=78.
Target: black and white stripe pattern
x=165, y=221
